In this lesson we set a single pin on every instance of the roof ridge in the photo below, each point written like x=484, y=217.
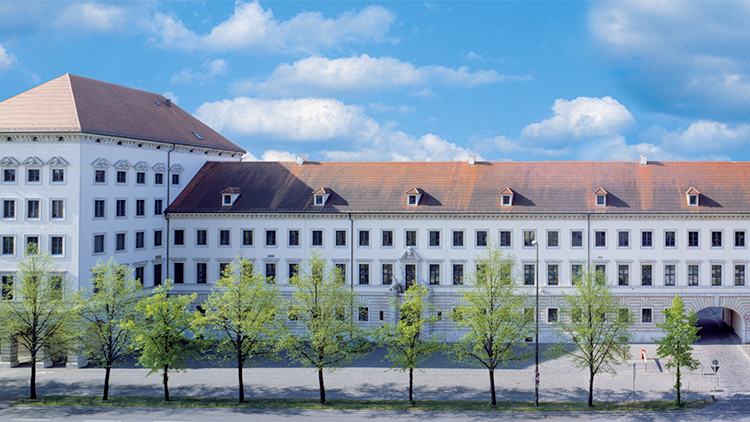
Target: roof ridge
x=73, y=98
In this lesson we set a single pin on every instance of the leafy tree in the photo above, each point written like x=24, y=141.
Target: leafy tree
x=241, y=314
x=161, y=333
x=40, y=316
x=407, y=347
x=597, y=324
x=680, y=331
x=494, y=311
x=103, y=313
x=325, y=334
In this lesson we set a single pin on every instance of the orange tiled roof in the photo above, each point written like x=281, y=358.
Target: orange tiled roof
x=456, y=187
x=75, y=104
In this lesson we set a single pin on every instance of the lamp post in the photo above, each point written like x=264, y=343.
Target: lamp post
x=536, y=330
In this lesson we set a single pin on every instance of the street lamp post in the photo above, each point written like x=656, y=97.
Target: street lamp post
x=536, y=330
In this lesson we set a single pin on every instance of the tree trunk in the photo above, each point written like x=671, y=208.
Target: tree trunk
x=107, y=370
x=591, y=386
x=242, y=383
x=32, y=386
x=165, y=381
x=322, y=386
x=492, y=387
x=677, y=386
x=411, y=384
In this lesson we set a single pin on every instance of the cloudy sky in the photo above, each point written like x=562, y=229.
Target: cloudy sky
x=410, y=80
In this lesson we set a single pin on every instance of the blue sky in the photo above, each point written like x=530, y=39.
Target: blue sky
x=409, y=80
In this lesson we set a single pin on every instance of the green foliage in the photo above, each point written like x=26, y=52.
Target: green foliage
x=241, y=314
x=161, y=333
x=405, y=340
x=104, y=311
x=40, y=316
x=597, y=324
x=493, y=311
x=325, y=334
x=680, y=332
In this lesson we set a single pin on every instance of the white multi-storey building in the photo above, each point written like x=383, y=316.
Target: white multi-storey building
x=92, y=170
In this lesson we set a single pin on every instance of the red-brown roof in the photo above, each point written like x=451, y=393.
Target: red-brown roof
x=75, y=104
x=456, y=187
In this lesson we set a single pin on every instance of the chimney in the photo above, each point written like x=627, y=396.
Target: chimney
x=301, y=158
x=168, y=103
x=643, y=160
x=472, y=159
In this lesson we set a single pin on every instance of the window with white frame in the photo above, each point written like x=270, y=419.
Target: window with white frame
x=646, y=274
x=434, y=274
x=8, y=245
x=553, y=274
x=739, y=238
x=669, y=274
x=600, y=238
x=32, y=209
x=716, y=270
x=481, y=236
x=739, y=274
x=623, y=274
x=387, y=274
x=647, y=237
x=458, y=238
x=693, y=274
x=505, y=239
x=57, y=211
x=458, y=274
x=552, y=315
x=364, y=273
x=56, y=244
x=646, y=315
x=9, y=209
x=553, y=238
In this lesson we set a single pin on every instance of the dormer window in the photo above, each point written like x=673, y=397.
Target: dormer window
x=412, y=197
x=693, y=197
x=601, y=197
x=229, y=195
x=506, y=197
x=320, y=196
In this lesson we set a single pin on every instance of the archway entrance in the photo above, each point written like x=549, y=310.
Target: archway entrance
x=719, y=326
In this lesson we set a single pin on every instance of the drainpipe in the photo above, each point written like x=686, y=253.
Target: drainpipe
x=166, y=217
x=588, y=244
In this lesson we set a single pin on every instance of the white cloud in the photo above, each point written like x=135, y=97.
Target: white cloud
x=320, y=120
x=7, y=60
x=71, y=18
x=210, y=69
x=93, y=17
x=583, y=117
x=709, y=137
x=380, y=108
x=366, y=74
x=251, y=28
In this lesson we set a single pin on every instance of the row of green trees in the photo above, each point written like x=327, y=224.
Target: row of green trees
x=244, y=318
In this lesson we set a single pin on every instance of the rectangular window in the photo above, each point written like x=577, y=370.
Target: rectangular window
x=364, y=273
x=553, y=274
x=58, y=176
x=623, y=275
x=140, y=178
x=247, y=238
x=716, y=275
x=600, y=239
x=9, y=208
x=33, y=175
x=576, y=271
x=122, y=177
x=693, y=273
x=553, y=239
x=388, y=274
x=505, y=239
x=646, y=274
x=158, y=178
x=293, y=270
x=293, y=237
x=669, y=275
x=99, y=243
x=528, y=238
x=715, y=239
x=551, y=315
x=99, y=208
x=157, y=238
x=32, y=208
x=434, y=238
x=388, y=238
x=646, y=317
x=32, y=244
x=58, y=208
x=576, y=240
x=623, y=239
x=140, y=240
x=201, y=237
x=458, y=274
x=364, y=314
x=270, y=272
x=647, y=238
x=340, y=237
x=9, y=175
x=247, y=270
x=317, y=237
x=623, y=315
x=670, y=239
x=158, y=206
x=201, y=272
x=179, y=238
x=140, y=207
x=458, y=238
x=179, y=272
x=9, y=245
x=120, y=242
x=341, y=269
x=157, y=274
x=601, y=269
x=224, y=269
x=175, y=179
x=481, y=238
x=225, y=237
x=411, y=238
x=121, y=206
x=739, y=239
x=692, y=239
x=434, y=273
x=528, y=275
x=364, y=238
x=139, y=274
x=739, y=274
x=100, y=176
x=7, y=287
x=270, y=237
x=56, y=245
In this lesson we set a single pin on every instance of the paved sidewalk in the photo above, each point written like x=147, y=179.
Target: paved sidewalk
x=559, y=381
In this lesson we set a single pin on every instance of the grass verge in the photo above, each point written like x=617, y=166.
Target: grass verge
x=301, y=404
